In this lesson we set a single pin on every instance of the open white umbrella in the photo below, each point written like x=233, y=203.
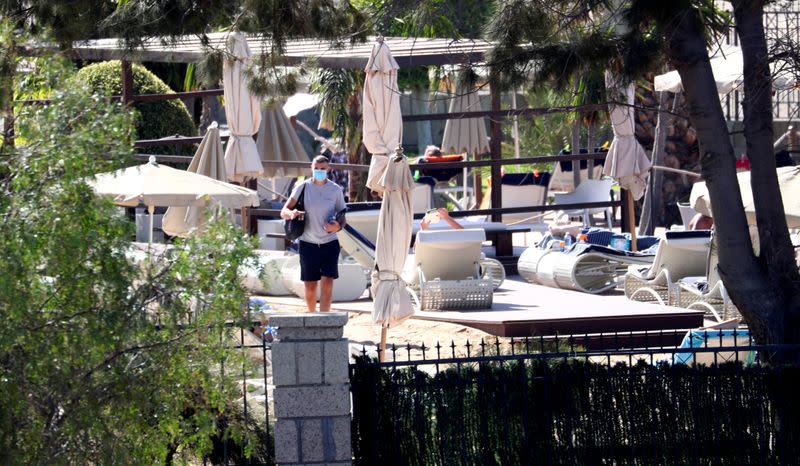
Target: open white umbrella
x=154, y=185
x=278, y=141
x=383, y=123
x=727, y=64
x=626, y=160
x=208, y=160
x=242, y=110
x=788, y=181
x=299, y=102
x=465, y=135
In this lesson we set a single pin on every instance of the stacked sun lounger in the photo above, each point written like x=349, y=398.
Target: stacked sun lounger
x=590, y=268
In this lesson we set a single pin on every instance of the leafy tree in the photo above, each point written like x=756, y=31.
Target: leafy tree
x=764, y=286
x=103, y=361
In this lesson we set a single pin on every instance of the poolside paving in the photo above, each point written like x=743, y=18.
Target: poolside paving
x=521, y=309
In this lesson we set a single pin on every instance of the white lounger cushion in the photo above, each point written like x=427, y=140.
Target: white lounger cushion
x=449, y=254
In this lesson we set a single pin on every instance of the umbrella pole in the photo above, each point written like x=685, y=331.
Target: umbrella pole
x=382, y=351
x=631, y=218
x=150, y=209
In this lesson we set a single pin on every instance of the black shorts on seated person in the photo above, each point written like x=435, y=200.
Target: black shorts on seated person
x=319, y=260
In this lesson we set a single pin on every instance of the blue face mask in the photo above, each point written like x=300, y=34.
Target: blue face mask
x=320, y=175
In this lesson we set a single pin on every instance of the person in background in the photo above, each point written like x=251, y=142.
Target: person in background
x=319, y=245
x=701, y=222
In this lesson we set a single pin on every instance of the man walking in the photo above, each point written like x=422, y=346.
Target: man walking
x=319, y=245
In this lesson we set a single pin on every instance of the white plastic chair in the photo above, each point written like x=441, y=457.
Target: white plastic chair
x=589, y=191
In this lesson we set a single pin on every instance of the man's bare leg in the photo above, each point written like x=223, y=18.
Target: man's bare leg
x=326, y=294
x=311, y=295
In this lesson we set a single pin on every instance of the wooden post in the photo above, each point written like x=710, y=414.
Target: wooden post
x=631, y=218
x=624, y=215
x=382, y=352
x=127, y=82
x=495, y=149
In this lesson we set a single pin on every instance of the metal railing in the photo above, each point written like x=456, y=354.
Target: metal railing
x=255, y=385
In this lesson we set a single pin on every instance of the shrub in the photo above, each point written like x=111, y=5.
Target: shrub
x=155, y=119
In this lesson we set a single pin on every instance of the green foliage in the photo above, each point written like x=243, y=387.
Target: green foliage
x=101, y=361
x=336, y=88
x=156, y=119
x=568, y=411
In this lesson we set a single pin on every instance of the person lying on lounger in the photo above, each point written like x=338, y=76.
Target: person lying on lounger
x=435, y=215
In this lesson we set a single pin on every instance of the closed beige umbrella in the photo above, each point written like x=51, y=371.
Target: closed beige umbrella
x=154, y=185
x=626, y=160
x=392, y=302
x=208, y=160
x=465, y=135
x=390, y=176
x=788, y=181
x=278, y=141
x=383, y=123
x=242, y=110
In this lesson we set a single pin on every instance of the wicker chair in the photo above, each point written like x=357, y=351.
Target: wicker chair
x=448, y=264
x=680, y=254
x=707, y=292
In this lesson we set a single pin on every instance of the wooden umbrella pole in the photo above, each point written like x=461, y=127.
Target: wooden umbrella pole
x=631, y=218
x=244, y=219
x=382, y=352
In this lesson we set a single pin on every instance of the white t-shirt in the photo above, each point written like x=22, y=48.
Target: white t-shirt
x=321, y=204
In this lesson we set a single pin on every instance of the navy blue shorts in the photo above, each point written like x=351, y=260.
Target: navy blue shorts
x=319, y=260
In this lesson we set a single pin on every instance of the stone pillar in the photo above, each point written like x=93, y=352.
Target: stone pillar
x=312, y=389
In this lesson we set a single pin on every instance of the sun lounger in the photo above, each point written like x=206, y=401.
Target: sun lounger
x=448, y=264
x=524, y=190
x=680, y=254
x=362, y=251
x=589, y=268
x=707, y=292
x=563, y=179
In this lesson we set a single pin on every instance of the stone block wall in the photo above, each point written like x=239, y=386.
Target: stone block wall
x=312, y=389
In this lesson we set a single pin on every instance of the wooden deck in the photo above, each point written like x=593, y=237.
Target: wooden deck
x=521, y=309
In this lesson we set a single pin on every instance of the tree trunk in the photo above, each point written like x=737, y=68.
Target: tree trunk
x=590, y=147
x=776, y=251
x=576, y=143
x=744, y=277
x=653, y=197
x=7, y=102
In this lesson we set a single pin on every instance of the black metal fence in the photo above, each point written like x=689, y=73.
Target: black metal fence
x=247, y=429
x=713, y=399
